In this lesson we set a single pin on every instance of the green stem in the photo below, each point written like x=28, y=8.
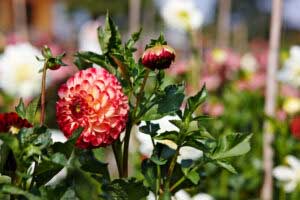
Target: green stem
x=43, y=94
x=171, y=169
x=158, y=181
x=177, y=183
x=183, y=178
x=126, y=146
x=116, y=146
x=141, y=91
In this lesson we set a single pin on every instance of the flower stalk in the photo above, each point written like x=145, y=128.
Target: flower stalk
x=43, y=94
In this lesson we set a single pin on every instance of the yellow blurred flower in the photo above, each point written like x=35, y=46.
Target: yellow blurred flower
x=291, y=105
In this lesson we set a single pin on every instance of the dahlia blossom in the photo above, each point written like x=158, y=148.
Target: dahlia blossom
x=19, y=68
x=12, y=122
x=182, y=15
x=158, y=57
x=92, y=99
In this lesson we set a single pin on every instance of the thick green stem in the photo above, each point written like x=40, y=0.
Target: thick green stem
x=126, y=146
x=116, y=146
x=43, y=94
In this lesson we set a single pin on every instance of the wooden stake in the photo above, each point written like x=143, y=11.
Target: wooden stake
x=223, y=34
x=270, y=102
x=20, y=18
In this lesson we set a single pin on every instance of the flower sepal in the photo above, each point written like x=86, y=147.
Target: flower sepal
x=52, y=62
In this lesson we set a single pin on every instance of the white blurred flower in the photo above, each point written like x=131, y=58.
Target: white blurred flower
x=291, y=105
x=189, y=153
x=88, y=38
x=58, y=136
x=249, y=63
x=183, y=195
x=19, y=69
x=290, y=73
x=182, y=15
x=146, y=146
x=290, y=176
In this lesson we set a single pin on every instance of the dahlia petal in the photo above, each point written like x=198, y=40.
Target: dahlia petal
x=63, y=90
x=104, y=97
x=100, y=84
x=101, y=127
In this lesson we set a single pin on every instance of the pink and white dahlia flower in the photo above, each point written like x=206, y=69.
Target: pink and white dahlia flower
x=92, y=99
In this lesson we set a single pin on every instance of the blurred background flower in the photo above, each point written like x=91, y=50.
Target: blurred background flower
x=19, y=69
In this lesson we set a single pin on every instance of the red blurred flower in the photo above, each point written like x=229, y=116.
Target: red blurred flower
x=92, y=99
x=295, y=127
x=11, y=122
x=158, y=57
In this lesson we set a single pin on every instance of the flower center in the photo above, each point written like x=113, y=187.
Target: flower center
x=23, y=73
x=184, y=16
x=14, y=130
x=79, y=107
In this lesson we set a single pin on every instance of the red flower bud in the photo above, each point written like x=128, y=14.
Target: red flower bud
x=295, y=127
x=11, y=122
x=158, y=57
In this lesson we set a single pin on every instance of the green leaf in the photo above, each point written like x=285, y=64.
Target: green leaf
x=69, y=195
x=45, y=171
x=20, y=109
x=32, y=109
x=149, y=170
x=168, y=135
x=166, y=102
x=193, y=176
x=226, y=166
x=59, y=158
x=67, y=147
x=43, y=139
x=5, y=179
x=232, y=145
x=12, y=142
x=171, y=100
x=194, y=101
x=109, y=36
x=150, y=128
x=90, y=164
x=134, y=38
x=10, y=189
x=126, y=189
x=82, y=63
x=91, y=57
x=85, y=186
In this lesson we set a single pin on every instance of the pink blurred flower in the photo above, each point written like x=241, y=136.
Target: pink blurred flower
x=92, y=99
x=178, y=68
x=213, y=109
x=211, y=81
x=254, y=82
x=281, y=115
x=290, y=91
